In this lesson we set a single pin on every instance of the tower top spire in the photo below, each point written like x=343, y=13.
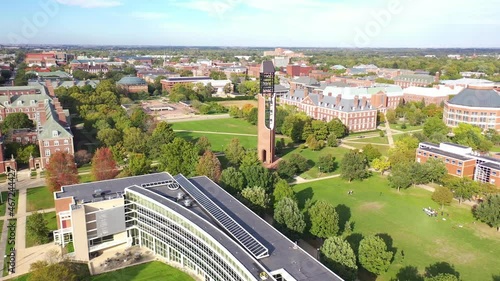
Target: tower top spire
x=267, y=67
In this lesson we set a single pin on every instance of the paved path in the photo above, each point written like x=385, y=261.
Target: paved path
x=198, y=118
x=388, y=132
x=216, y=133
x=299, y=180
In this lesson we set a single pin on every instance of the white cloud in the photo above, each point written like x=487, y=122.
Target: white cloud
x=149, y=15
x=91, y=3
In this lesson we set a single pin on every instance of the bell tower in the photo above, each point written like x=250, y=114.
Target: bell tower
x=266, y=114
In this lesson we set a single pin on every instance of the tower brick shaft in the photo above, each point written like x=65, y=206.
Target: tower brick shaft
x=266, y=114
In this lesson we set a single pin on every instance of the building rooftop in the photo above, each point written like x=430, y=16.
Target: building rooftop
x=477, y=98
x=131, y=80
x=284, y=254
x=444, y=153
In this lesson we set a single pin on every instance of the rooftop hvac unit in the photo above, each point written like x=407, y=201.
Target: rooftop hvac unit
x=188, y=203
x=180, y=196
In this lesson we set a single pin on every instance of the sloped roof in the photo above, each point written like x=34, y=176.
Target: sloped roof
x=477, y=98
x=52, y=124
x=131, y=80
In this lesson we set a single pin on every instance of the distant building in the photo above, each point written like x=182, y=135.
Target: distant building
x=41, y=59
x=281, y=61
x=478, y=105
x=462, y=161
x=169, y=83
x=280, y=52
x=465, y=82
x=157, y=72
x=435, y=95
x=417, y=80
x=132, y=84
x=298, y=70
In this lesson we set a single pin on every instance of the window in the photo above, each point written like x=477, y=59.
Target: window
x=453, y=162
x=47, y=152
x=494, y=173
x=55, y=133
x=56, y=143
x=46, y=143
x=447, y=160
x=460, y=163
x=66, y=142
x=459, y=172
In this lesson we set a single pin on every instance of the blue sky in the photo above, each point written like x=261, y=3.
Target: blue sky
x=269, y=23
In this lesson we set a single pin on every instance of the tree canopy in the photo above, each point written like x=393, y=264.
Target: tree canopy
x=60, y=171
x=104, y=166
x=373, y=255
x=324, y=219
x=18, y=120
x=354, y=166
x=489, y=211
x=289, y=217
x=339, y=256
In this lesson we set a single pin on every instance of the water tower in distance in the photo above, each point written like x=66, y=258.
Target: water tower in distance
x=267, y=114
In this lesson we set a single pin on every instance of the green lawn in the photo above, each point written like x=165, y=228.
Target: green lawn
x=384, y=149
x=85, y=168
x=85, y=178
x=375, y=208
x=7, y=249
x=495, y=148
x=145, y=272
x=52, y=225
x=313, y=157
x=408, y=127
x=4, y=205
x=228, y=125
x=39, y=198
x=218, y=142
x=379, y=140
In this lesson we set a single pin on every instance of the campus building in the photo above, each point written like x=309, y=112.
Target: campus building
x=52, y=132
x=132, y=84
x=478, y=105
x=190, y=223
x=462, y=161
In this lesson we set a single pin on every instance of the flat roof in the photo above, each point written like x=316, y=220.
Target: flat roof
x=445, y=153
x=284, y=254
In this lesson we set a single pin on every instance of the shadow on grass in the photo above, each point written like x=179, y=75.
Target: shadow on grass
x=389, y=243
x=304, y=195
x=344, y=213
x=408, y=273
x=495, y=278
x=354, y=240
x=441, y=267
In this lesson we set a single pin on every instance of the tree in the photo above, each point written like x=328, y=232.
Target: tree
x=403, y=150
x=286, y=169
x=442, y=195
x=313, y=143
x=289, y=217
x=320, y=129
x=282, y=190
x=332, y=141
x=26, y=151
x=489, y=211
x=299, y=161
x=109, y=137
x=232, y=179
x=401, y=176
x=391, y=116
x=36, y=228
x=326, y=163
x=337, y=128
x=138, y=164
x=43, y=271
x=234, y=152
x=209, y=165
x=381, y=164
x=470, y=135
x=443, y=277
x=82, y=157
x=218, y=75
x=61, y=171
x=462, y=188
x=373, y=255
x=257, y=175
x=324, y=220
x=202, y=145
x=354, y=166
x=371, y=152
x=256, y=198
x=134, y=140
x=162, y=134
x=434, y=170
x=179, y=157
x=435, y=125
x=104, y=166
x=17, y=120
x=340, y=258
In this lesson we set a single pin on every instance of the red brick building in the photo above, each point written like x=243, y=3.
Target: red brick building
x=478, y=105
x=417, y=80
x=462, y=161
x=41, y=59
x=298, y=70
x=132, y=84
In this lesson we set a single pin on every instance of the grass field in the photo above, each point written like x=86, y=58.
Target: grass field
x=408, y=127
x=495, y=148
x=380, y=140
x=313, y=157
x=238, y=103
x=219, y=141
x=228, y=125
x=51, y=225
x=85, y=178
x=39, y=198
x=384, y=149
x=472, y=249
x=145, y=272
x=7, y=249
x=4, y=205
